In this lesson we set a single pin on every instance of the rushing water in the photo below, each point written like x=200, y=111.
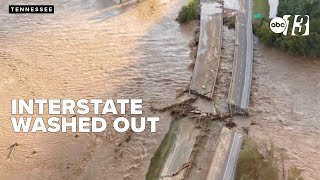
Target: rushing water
x=285, y=105
x=89, y=49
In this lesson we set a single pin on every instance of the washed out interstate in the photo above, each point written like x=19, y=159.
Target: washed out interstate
x=103, y=49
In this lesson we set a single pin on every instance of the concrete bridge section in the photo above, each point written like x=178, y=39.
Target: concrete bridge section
x=223, y=165
x=240, y=86
x=224, y=145
x=208, y=56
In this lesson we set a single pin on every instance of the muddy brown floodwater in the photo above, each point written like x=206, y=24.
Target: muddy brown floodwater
x=89, y=49
x=285, y=104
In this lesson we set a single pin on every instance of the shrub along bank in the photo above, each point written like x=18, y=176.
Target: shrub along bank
x=295, y=45
x=189, y=12
x=252, y=165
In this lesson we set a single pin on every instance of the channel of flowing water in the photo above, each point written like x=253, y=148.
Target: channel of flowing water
x=285, y=105
x=89, y=49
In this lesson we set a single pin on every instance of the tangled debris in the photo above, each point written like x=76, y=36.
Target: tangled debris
x=12, y=147
x=229, y=18
x=186, y=107
x=179, y=110
x=125, y=139
x=230, y=124
x=182, y=92
x=184, y=166
x=193, y=45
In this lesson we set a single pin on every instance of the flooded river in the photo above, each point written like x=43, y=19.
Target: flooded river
x=89, y=49
x=285, y=104
x=99, y=49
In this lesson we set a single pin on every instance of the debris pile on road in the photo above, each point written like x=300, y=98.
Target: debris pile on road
x=179, y=110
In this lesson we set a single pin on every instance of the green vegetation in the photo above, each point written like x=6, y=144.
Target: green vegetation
x=252, y=165
x=189, y=12
x=295, y=45
x=294, y=174
x=261, y=7
x=158, y=159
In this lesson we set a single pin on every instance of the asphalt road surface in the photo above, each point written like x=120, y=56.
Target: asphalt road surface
x=208, y=56
x=242, y=69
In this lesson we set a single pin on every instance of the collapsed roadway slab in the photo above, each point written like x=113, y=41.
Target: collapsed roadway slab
x=223, y=165
x=240, y=86
x=208, y=56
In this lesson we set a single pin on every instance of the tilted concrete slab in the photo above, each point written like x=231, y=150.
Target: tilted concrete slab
x=231, y=163
x=208, y=56
x=240, y=86
x=216, y=170
x=223, y=165
x=181, y=151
